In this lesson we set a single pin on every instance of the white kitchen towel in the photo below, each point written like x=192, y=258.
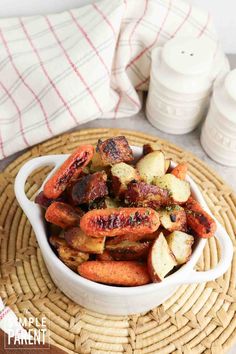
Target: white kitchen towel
x=61, y=70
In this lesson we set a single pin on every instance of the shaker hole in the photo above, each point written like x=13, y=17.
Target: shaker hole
x=182, y=52
x=192, y=54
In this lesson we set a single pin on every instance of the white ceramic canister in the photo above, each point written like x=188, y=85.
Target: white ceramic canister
x=180, y=83
x=218, y=136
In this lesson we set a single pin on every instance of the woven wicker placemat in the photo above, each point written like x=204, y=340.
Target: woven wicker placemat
x=198, y=318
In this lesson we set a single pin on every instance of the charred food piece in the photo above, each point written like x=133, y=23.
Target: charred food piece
x=115, y=150
x=144, y=194
x=88, y=188
x=44, y=202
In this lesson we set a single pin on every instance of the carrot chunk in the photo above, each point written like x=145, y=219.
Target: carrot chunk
x=124, y=273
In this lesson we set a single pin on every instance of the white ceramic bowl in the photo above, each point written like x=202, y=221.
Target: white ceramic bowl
x=109, y=299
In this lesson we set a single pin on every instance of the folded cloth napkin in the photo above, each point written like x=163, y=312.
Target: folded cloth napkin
x=61, y=70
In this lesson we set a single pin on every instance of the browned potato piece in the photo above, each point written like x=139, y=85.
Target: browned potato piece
x=151, y=165
x=143, y=194
x=123, y=273
x=77, y=239
x=167, y=164
x=173, y=218
x=57, y=241
x=179, y=190
x=88, y=188
x=111, y=203
x=72, y=258
x=96, y=163
x=180, y=244
x=129, y=251
x=150, y=147
x=160, y=259
x=122, y=174
x=115, y=150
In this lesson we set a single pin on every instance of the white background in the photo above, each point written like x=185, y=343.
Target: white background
x=223, y=12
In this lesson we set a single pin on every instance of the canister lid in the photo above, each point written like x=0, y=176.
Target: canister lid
x=189, y=56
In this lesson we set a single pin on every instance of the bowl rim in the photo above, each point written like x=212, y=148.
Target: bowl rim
x=38, y=226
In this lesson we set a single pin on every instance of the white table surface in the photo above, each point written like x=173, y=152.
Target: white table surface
x=189, y=142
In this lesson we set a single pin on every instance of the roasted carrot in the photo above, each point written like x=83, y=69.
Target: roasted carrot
x=63, y=215
x=115, y=222
x=69, y=170
x=180, y=171
x=124, y=273
x=200, y=222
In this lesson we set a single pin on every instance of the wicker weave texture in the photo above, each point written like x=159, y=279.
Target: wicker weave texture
x=198, y=318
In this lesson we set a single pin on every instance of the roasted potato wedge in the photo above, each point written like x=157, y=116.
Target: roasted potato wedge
x=115, y=222
x=160, y=259
x=122, y=174
x=72, y=258
x=111, y=203
x=96, y=163
x=115, y=150
x=150, y=147
x=179, y=190
x=57, y=241
x=69, y=171
x=123, y=273
x=180, y=245
x=173, y=218
x=77, y=239
x=151, y=165
x=167, y=165
x=88, y=188
x=180, y=171
x=199, y=221
x=129, y=251
x=63, y=215
x=144, y=194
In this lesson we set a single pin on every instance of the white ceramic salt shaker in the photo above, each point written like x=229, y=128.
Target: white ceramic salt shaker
x=180, y=84
x=218, y=136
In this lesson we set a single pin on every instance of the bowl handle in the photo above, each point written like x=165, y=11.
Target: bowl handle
x=25, y=172
x=224, y=263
